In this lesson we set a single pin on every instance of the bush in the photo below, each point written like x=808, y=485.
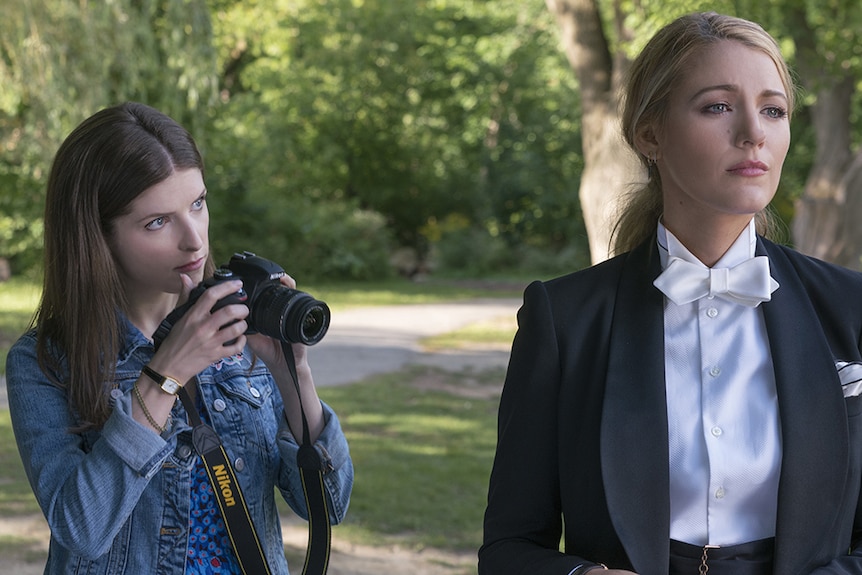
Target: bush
x=312, y=242
x=473, y=251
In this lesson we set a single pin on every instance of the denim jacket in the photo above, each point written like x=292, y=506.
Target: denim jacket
x=117, y=500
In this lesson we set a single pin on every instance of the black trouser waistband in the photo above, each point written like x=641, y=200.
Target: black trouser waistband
x=753, y=558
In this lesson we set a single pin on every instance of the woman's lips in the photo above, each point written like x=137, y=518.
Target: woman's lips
x=753, y=168
x=191, y=266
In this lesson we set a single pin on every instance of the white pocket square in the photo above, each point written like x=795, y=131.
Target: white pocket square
x=850, y=374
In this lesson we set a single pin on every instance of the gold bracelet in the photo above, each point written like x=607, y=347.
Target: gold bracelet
x=147, y=414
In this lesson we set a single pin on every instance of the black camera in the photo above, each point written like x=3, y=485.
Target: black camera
x=275, y=310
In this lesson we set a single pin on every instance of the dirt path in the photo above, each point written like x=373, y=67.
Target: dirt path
x=31, y=533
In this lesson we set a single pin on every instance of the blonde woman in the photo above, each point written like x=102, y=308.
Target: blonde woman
x=692, y=404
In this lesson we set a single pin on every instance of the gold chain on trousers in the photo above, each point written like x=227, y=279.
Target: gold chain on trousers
x=704, y=565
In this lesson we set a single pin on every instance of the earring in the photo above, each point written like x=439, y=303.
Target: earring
x=651, y=169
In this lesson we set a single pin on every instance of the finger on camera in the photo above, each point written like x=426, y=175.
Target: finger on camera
x=233, y=328
x=234, y=345
x=230, y=314
x=186, y=287
x=214, y=294
x=288, y=281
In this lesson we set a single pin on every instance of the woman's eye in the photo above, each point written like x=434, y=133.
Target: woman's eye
x=156, y=224
x=718, y=108
x=199, y=203
x=776, y=112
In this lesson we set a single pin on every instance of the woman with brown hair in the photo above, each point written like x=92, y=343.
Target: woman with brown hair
x=692, y=404
x=106, y=445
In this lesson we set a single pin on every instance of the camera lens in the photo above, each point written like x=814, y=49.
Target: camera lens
x=289, y=315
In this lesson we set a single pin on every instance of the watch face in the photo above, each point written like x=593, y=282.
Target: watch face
x=171, y=386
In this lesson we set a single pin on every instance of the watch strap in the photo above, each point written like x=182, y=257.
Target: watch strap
x=162, y=380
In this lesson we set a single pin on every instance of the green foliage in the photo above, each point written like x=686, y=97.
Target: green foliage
x=413, y=110
x=18, y=300
x=314, y=241
x=335, y=131
x=473, y=251
x=61, y=60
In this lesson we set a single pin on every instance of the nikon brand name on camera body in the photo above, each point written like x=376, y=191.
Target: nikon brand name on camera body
x=275, y=310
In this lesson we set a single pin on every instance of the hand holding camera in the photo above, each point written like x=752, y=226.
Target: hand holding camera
x=274, y=309
x=203, y=336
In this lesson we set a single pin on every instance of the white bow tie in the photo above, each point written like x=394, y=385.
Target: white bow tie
x=748, y=283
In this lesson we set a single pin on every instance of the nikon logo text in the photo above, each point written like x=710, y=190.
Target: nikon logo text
x=223, y=480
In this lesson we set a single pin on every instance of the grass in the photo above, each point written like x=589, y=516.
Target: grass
x=16, y=498
x=422, y=457
x=18, y=300
x=399, y=291
x=496, y=333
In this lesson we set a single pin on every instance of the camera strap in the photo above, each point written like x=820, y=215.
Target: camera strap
x=311, y=470
x=228, y=495
x=231, y=502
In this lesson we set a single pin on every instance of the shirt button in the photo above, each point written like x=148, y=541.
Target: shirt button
x=716, y=431
x=715, y=371
x=116, y=393
x=239, y=464
x=712, y=312
x=719, y=493
x=254, y=392
x=219, y=405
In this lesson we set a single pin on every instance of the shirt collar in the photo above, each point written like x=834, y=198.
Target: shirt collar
x=742, y=249
x=133, y=339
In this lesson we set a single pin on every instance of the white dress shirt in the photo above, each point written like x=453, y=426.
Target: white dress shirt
x=724, y=429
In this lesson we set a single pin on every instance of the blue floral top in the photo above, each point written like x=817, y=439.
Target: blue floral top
x=210, y=550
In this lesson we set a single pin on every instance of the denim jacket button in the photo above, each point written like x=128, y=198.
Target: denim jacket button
x=219, y=405
x=239, y=464
x=184, y=451
x=254, y=392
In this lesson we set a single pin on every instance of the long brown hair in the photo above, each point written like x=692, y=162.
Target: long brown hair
x=649, y=83
x=101, y=167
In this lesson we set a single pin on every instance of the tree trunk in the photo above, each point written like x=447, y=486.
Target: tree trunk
x=827, y=215
x=819, y=211
x=609, y=165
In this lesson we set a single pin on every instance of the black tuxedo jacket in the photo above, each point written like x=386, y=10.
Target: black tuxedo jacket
x=583, y=439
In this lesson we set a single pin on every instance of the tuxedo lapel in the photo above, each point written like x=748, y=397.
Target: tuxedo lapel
x=814, y=433
x=634, y=437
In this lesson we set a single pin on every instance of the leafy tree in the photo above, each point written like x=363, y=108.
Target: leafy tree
x=429, y=113
x=61, y=60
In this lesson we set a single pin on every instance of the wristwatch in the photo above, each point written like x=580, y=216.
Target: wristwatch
x=168, y=384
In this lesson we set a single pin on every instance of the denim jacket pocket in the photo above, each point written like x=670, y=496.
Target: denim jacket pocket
x=256, y=392
x=242, y=406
